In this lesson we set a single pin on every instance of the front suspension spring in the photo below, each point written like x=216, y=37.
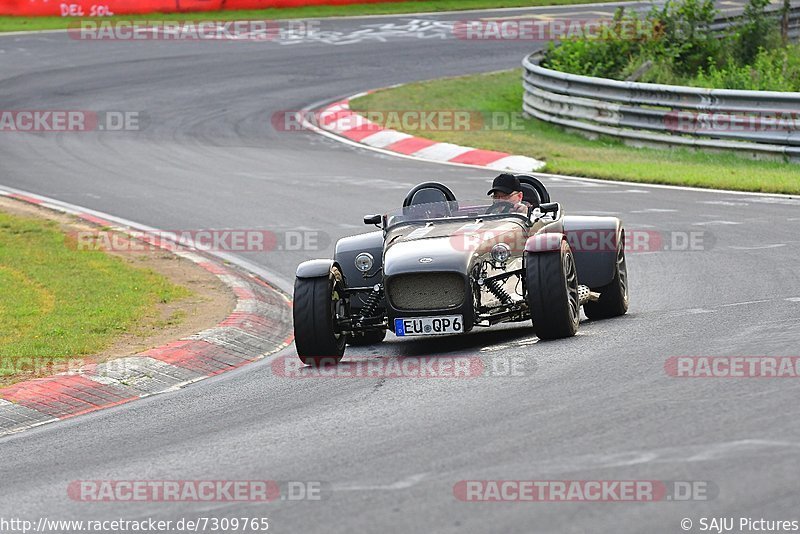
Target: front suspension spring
x=497, y=290
x=372, y=303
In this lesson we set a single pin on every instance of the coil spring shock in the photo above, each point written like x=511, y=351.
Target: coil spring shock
x=372, y=303
x=497, y=290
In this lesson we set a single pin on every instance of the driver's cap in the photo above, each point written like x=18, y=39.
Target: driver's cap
x=505, y=183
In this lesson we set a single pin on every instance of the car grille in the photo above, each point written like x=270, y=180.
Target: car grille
x=426, y=291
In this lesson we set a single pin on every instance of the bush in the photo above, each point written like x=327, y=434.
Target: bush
x=755, y=34
x=681, y=49
x=772, y=70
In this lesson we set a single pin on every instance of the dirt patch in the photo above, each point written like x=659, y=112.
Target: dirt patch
x=210, y=301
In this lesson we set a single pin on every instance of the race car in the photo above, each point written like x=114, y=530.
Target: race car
x=442, y=266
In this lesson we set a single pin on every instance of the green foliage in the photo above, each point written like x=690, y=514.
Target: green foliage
x=605, y=53
x=60, y=301
x=755, y=34
x=681, y=49
x=772, y=70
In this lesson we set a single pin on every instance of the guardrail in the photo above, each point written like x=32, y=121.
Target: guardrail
x=759, y=122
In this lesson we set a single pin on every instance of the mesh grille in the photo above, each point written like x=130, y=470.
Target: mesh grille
x=426, y=291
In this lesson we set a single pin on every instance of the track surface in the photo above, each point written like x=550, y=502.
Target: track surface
x=598, y=406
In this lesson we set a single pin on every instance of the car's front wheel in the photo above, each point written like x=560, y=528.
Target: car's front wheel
x=552, y=285
x=317, y=302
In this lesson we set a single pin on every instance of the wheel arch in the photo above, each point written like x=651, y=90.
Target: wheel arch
x=594, y=242
x=316, y=268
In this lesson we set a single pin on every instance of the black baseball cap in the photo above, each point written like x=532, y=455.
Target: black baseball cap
x=505, y=183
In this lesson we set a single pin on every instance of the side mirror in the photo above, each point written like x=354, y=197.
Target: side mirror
x=373, y=219
x=550, y=207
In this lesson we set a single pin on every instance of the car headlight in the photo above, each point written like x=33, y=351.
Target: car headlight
x=501, y=252
x=364, y=262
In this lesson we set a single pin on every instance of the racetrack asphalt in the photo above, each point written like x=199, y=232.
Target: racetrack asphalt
x=599, y=406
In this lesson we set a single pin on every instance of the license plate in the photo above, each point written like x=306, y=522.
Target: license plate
x=429, y=326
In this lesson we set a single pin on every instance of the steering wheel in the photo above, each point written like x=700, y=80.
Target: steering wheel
x=500, y=206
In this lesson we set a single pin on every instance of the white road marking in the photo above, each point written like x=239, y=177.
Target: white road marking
x=789, y=201
x=680, y=454
x=760, y=247
x=599, y=213
x=232, y=281
x=523, y=9
x=745, y=303
x=385, y=138
x=442, y=151
x=348, y=123
x=722, y=203
x=618, y=191
x=715, y=309
x=516, y=163
x=406, y=483
x=493, y=348
x=655, y=210
x=550, y=183
x=368, y=182
x=710, y=223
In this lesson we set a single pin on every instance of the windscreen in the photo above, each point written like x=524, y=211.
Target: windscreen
x=459, y=209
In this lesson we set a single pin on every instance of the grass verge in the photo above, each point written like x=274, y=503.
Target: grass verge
x=60, y=303
x=8, y=24
x=572, y=154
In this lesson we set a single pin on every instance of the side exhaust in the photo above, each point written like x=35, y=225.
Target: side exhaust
x=586, y=295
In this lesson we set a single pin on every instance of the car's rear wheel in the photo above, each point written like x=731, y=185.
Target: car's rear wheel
x=317, y=302
x=614, y=296
x=366, y=338
x=552, y=285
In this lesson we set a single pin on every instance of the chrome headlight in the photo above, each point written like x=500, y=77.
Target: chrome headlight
x=501, y=252
x=364, y=262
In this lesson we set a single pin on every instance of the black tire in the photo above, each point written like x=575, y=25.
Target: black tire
x=552, y=285
x=315, y=334
x=614, y=296
x=368, y=338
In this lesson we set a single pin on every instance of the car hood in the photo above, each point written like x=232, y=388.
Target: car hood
x=448, y=246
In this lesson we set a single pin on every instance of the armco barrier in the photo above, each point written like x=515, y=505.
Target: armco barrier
x=99, y=8
x=759, y=122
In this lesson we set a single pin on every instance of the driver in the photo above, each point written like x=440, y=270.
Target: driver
x=506, y=188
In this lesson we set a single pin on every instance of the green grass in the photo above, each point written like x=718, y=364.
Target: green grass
x=8, y=24
x=572, y=154
x=59, y=303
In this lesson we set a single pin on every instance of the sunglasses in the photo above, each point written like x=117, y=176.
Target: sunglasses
x=497, y=195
